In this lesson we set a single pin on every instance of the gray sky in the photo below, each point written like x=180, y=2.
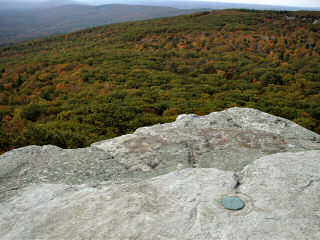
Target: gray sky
x=298, y=3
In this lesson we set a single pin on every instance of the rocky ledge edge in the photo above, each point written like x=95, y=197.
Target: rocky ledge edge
x=167, y=181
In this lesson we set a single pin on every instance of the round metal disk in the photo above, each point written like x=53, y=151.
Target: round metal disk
x=232, y=203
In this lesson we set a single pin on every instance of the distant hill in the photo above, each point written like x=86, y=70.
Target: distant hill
x=201, y=4
x=17, y=25
x=15, y=5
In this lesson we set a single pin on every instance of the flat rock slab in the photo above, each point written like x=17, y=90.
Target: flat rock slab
x=227, y=140
x=280, y=191
x=167, y=182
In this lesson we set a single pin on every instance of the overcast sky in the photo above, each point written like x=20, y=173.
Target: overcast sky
x=298, y=3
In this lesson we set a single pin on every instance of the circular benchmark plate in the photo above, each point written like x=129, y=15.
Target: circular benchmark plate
x=232, y=203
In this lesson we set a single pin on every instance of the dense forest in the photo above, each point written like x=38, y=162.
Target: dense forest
x=75, y=89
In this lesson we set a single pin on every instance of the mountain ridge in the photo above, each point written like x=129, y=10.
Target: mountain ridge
x=208, y=4
x=21, y=25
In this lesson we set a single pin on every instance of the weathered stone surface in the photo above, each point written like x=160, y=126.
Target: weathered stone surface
x=50, y=164
x=227, y=140
x=167, y=182
x=281, y=194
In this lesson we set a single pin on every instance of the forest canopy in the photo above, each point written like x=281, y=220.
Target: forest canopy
x=98, y=83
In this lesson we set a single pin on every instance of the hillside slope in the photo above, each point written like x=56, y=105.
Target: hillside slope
x=79, y=88
x=21, y=25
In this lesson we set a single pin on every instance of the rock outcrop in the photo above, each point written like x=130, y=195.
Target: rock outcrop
x=166, y=182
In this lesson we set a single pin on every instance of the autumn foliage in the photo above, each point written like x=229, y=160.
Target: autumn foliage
x=74, y=89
